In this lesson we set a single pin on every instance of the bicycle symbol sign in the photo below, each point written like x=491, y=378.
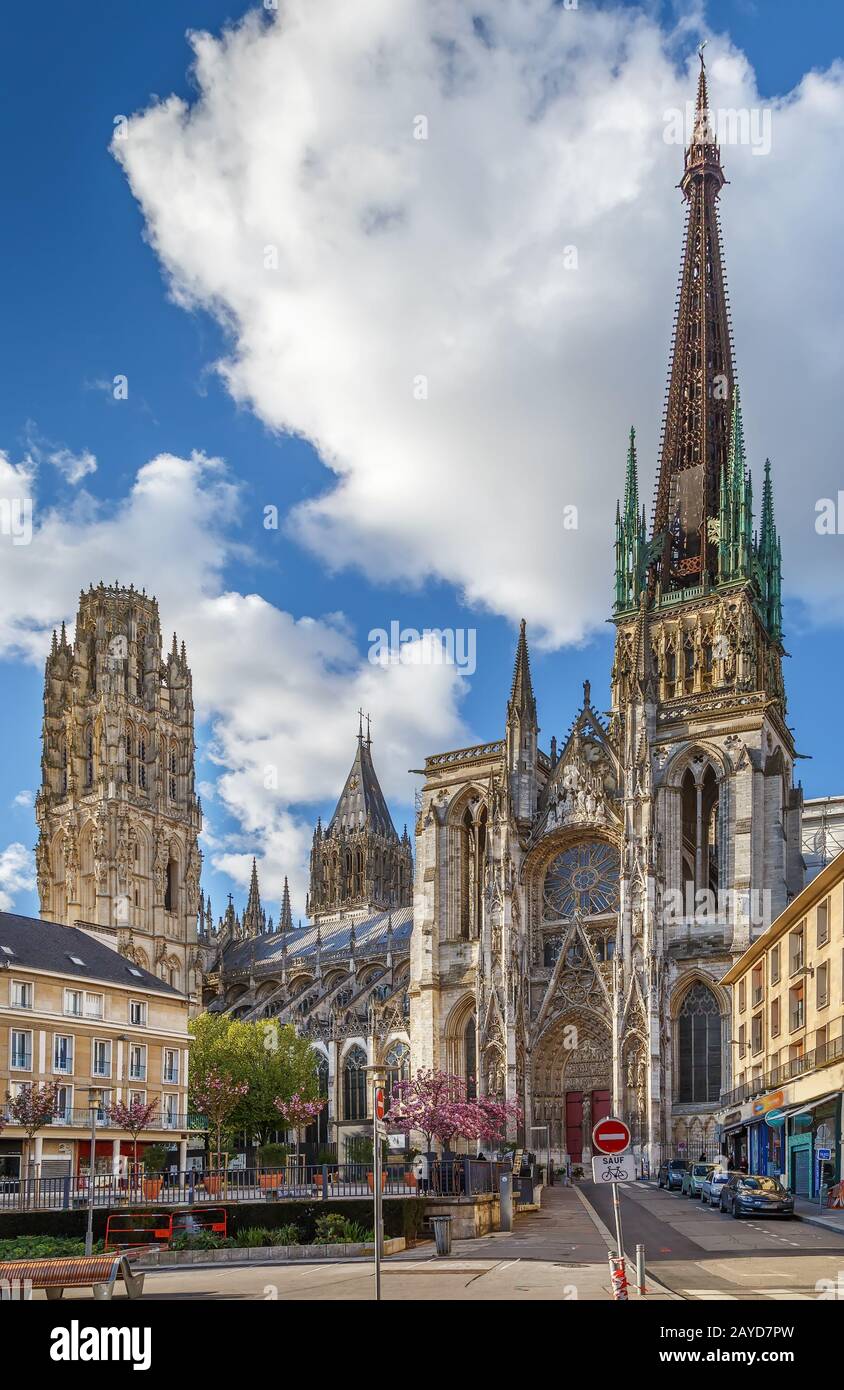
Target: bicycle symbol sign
x=613, y=1168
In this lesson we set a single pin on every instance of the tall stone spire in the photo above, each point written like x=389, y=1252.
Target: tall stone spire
x=522, y=703
x=254, y=917
x=521, y=732
x=285, y=920
x=696, y=426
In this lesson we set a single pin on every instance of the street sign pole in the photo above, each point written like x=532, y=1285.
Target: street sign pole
x=377, y=1128
x=611, y=1137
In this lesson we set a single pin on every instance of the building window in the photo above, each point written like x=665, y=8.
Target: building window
x=138, y=1062
x=699, y=1046
x=354, y=1085
x=171, y=887
x=89, y=759
x=101, y=1057
x=470, y=1053
x=742, y=1040
x=171, y=1066
x=62, y=1053
x=130, y=756
x=822, y=985
x=757, y=984
x=742, y=996
x=93, y=1006
x=172, y=771
x=823, y=922
x=775, y=964
x=21, y=994
x=398, y=1068
x=756, y=1034
x=73, y=1002
x=63, y=1113
x=821, y=1036
x=138, y=1013
x=170, y=1115
x=795, y=950
x=20, y=1052
x=775, y=1018
x=142, y=762
x=796, y=1007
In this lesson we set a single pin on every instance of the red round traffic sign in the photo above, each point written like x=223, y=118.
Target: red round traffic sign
x=379, y=1103
x=611, y=1136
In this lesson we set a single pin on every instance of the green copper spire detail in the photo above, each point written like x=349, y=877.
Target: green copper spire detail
x=630, y=537
x=770, y=558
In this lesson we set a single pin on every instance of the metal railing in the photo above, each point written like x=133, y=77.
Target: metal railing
x=821, y=1056
x=81, y=1119
x=449, y=1178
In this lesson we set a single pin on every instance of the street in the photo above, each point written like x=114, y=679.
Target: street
x=698, y=1253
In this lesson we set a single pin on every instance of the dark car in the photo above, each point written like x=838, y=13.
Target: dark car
x=671, y=1172
x=752, y=1194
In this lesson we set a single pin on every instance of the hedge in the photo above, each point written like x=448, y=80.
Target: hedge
x=403, y=1216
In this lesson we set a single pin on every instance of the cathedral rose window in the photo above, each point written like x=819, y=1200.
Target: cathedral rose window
x=582, y=881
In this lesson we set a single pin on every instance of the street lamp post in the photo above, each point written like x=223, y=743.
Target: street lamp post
x=93, y=1103
x=377, y=1078
x=538, y=1129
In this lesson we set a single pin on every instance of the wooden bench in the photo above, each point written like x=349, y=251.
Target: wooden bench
x=99, y=1272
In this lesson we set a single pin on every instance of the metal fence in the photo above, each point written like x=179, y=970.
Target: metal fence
x=454, y=1177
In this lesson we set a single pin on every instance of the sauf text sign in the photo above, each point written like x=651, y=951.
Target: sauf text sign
x=613, y=1168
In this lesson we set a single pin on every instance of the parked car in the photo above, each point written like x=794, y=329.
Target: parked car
x=753, y=1194
x=693, y=1178
x=710, y=1188
x=671, y=1172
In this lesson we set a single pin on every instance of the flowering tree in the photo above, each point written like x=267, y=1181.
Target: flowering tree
x=298, y=1113
x=218, y=1096
x=135, y=1117
x=493, y=1116
x=435, y=1103
x=32, y=1108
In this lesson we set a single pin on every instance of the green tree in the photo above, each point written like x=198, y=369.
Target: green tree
x=273, y=1061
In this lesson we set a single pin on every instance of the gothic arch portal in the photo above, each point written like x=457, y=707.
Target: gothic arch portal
x=572, y=1078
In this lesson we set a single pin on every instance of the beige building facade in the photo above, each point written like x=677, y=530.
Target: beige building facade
x=76, y=1014
x=783, y=1114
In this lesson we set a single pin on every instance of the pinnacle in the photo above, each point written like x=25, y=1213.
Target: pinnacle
x=522, y=700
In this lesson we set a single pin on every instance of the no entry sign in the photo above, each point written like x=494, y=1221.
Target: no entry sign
x=379, y=1103
x=611, y=1136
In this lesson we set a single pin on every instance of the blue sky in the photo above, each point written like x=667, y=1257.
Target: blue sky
x=85, y=296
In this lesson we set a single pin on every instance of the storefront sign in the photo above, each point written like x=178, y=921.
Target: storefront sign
x=766, y=1103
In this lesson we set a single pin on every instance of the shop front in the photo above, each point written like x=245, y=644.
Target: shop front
x=814, y=1145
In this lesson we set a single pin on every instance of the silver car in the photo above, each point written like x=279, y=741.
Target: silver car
x=710, y=1188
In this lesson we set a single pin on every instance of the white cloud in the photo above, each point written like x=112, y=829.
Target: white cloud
x=23, y=798
x=445, y=258
x=17, y=873
x=73, y=467
x=280, y=691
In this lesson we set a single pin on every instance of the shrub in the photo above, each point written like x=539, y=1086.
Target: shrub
x=335, y=1229
x=286, y=1235
x=257, y=1235
x=273, y=1155
x=201, y=1240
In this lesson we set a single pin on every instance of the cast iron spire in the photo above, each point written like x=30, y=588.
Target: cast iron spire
x=696, y=428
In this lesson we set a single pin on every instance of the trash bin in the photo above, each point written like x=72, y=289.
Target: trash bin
x=442, y=1234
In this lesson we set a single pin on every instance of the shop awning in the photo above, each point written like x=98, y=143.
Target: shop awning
x=812, y=1104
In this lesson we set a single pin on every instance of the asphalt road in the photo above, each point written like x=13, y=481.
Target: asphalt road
x=698, y=1253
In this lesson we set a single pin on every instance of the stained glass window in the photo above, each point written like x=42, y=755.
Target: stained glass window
x=583, y=881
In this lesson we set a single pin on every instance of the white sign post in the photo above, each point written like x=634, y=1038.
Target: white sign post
x=614, y=1164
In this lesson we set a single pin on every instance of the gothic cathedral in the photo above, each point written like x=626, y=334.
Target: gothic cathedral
x=575, y=912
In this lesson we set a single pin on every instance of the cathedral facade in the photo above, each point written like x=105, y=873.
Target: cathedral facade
x=561, y=937
x=575, y=910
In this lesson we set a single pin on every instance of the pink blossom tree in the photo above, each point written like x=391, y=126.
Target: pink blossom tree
x=493, y=1117
x=32, y=1108
x=298, y=1113
x=217, y=1096
x=434, y=1103
x=135, y=1118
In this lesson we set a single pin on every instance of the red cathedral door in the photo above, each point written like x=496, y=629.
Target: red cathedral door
x=574, y=1125
x=601, y=1107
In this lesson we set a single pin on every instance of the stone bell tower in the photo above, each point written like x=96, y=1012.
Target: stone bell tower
x=117, y=811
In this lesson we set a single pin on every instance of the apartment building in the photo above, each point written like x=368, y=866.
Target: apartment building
x=77, y=1013
x=784, y=1114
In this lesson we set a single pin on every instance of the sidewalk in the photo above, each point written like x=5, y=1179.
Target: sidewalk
x=830, y=1217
